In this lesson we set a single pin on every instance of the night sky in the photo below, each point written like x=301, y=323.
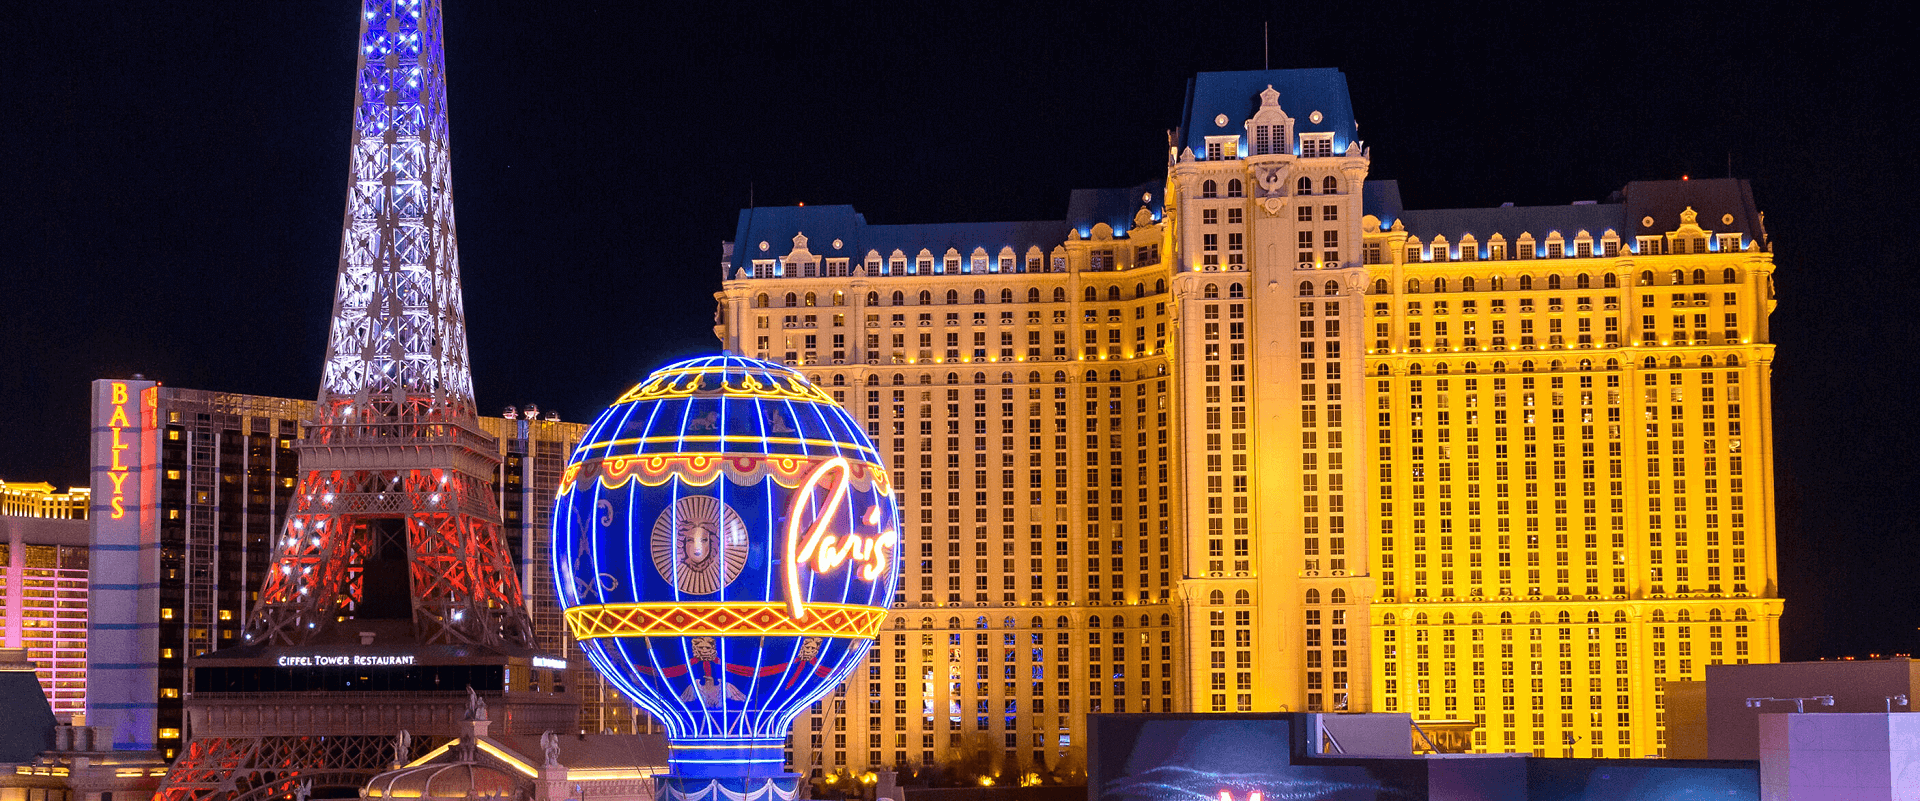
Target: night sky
x=172, y=177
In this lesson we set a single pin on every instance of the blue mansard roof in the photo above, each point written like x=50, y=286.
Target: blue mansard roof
x=1714, y=200
x=825, y=225
x=1237, y=95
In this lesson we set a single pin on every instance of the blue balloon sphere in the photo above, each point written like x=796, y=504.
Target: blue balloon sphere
x=725, y=547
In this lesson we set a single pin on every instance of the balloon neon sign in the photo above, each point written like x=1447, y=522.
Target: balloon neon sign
x=826, y=551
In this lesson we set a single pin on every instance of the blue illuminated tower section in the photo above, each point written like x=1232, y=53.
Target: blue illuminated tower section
x=395, y=453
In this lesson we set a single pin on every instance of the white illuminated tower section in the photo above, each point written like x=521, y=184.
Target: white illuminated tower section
x=395, y=464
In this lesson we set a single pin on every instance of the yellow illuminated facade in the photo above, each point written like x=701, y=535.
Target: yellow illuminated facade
x=1258, y=438
x=43, y=500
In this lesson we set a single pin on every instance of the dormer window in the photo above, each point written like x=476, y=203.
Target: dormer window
x=1316, y=145
x=1223, y=147
x=1269, y=126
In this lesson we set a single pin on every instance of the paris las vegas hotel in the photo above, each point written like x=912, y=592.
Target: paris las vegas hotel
x=1259, y=437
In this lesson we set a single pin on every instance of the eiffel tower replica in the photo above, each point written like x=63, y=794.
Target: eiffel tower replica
x=392, y=602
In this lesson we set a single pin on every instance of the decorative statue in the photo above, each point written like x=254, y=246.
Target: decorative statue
x=550, y=748
x=303, y=790
x=402, y=746
x=476, y=708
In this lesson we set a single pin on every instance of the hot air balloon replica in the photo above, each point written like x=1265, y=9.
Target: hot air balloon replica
x=725, y=548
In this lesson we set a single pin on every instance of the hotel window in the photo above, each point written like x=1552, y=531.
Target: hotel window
x=1316, y=145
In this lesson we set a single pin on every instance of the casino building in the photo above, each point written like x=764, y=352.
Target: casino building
x=206, y=501
x=1259, y=436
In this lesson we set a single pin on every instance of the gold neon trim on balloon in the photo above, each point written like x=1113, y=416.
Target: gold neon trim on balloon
x=753, y=619
x=711, y=382
x=701, y=469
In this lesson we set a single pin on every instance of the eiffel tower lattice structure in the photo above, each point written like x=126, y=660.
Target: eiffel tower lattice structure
x=393, y=551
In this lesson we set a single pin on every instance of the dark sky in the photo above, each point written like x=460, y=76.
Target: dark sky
x=172, y=176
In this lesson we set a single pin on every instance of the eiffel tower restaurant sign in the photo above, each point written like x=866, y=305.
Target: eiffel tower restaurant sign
x=726, y=546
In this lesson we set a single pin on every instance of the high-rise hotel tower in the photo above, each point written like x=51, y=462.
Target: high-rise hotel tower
x=1257, y=437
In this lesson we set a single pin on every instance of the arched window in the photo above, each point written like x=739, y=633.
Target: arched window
x=1439, y=284
x=1713, y=615
x=1446, y=618
x=839, y=380
x=1706, y=361
x=1331, y=288
x=762, y=302
x=1242, y=598
x=1236, y=291
x=792, y=300
x=1119, y=622
x=953, y=622
x=1033, y=377
x=1477, y=619
x=953, y=378
x=979, y=296
x=873, y=298
x=1646, y=278
x=1209, y=189
x=980, y=622
x=1506, y=618
x=1329, y=185
x=926, y=298
x=1413, y=369
x=1306, y=289
x=811, y=300
x=1337, y=596
x=1059, y=376
x=1683, y=616
x=1234, y=188
x=1533, y=617
x=1159, y=285
x=1610, y=281
x=1659, y=616
x=1733, y=361
x=1419, y=618
x=1466, y=284
x=1739, y=615
x=1093, y=376
x=1210, y=291
x=1059, y=294
x=1313, y=596
x=1006, y=378
x=1729, y=276
x=1586, y=364
x=1113, y=293
x=1113, y=375
x=1387, y=619
x=1304, y=186
x=1699, y=276
x=1582, y=281
x=1497, y=283
x=1060, y=622
x=953, y=296
x=1166, y=620
x=1413, y=286
x=1217, y=598
x=1563, y=617
x=899, y=380
x=1499, y=367
x=899, y=299
x=1679, y=278
x=1526, y=283
x=1006, y=296
x=1553, y=281
x=1379, y=286
x=979, y=378
x=1033, y=294
x=1472, y=368
x=1139, y=291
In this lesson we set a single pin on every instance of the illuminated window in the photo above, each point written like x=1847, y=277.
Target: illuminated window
x=169, y=734
x=166, y=613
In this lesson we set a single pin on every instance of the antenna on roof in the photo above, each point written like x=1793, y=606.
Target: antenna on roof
x=1266, y=48
x=1729, y=164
